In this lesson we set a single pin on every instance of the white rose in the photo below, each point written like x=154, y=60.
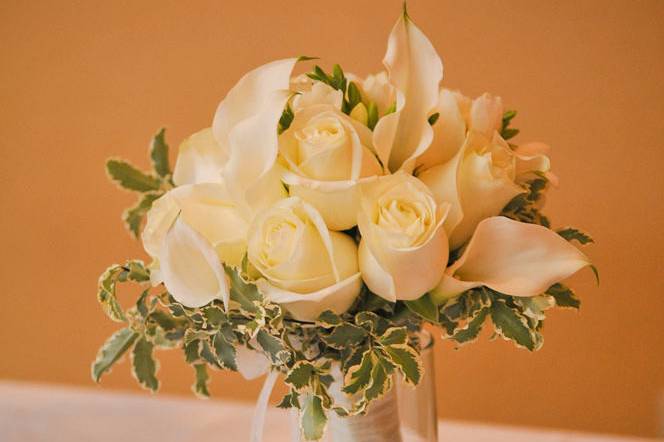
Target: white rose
x=304, y=267
x=189, y=232
x=481, y=179
x=327, y=153
x=403, y=251
x=458, y=114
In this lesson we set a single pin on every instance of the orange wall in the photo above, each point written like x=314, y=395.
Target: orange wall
x=84, y=80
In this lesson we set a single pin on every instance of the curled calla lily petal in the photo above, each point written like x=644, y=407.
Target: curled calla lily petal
x=415, y=70
x=246, y=122
x=190, y=267
x=449, y=132
x=208, y=209
x=200, y=160
x=404, y=248
x=513, y=258
x=338, y=298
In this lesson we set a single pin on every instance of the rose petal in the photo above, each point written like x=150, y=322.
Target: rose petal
x=513, y=258
x=307, y=307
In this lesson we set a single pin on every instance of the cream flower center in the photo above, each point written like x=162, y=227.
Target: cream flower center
x=279, y=239
x=405, y=221
x=320, y=135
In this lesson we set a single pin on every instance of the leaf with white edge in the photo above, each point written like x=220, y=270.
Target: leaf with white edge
x=344, y=335
x=106, y=294
x=159, y=154
x=564, y=296
x=208, y=355
x=144, y=367
x=289, y=401
x=133, y=217
x=225, y=351
x=381, y=380
x=394, y=336
x=571, y=233
x=301, y=375
x=129, y=177
x=134, y=270
x=192, y=351
x=472, y=329
x=328, y=319
x=242, y=292
x=424, y=307
x=314, y=419
x=200, y=387
x=407, y=361
x=112, y=350
x=358, y=376
x=272, y=346
x=512, y=325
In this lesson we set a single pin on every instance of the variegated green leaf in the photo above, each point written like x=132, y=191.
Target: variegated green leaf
x=133, y=217
x=424, y=307
x=571, y=233
x=472, y=329
x=200, y=387
x=112, y=350
x=512, y=325
x=159, y=154
x=225, y=351
x=144, y=367
x=301, y=375
x=344, y=335
x=358, y=377
x=129, y=177
x=314, y=419
x=564, y=296
x=407, y=361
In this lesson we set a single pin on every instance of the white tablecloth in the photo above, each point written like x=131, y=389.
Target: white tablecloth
x=46, y=413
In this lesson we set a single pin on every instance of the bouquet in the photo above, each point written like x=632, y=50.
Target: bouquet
x=323, y=219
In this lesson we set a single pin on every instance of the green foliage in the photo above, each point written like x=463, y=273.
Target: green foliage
x=314, y=419
x=144, y=366
x=571, y=234
x=112, y=350
x=433, y=118
x=200, y=387
x=159, y=154
x=129, y=177
x=510, y=324
x=526, y=206
x=506, y=131
x=564, y=296
x=424, y=307
x=372, y=115
x=132, y=271
x=133, y=217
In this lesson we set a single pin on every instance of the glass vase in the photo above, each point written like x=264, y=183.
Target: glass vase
x=405, y=414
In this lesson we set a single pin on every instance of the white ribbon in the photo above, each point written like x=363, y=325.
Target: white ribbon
x=258, y=421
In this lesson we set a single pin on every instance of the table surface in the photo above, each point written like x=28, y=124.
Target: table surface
x=36, y=413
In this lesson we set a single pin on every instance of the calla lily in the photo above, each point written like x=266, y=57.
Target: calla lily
x=513, y=258
x=415, y=70
x=246, y=122
x=200, y=160
x=191, y=269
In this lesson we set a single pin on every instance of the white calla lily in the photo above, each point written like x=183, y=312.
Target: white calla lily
x=246, y=122
x=403, y=251
x=415, y=71
x=513, y=258
x=200, y=160
x=190, y=267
